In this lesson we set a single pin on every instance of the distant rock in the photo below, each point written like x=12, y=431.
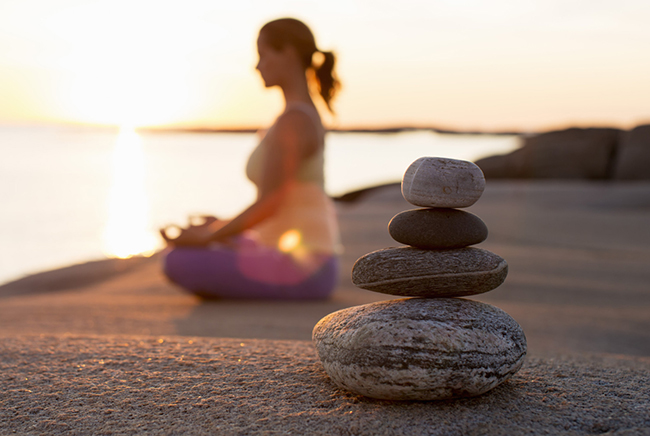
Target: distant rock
x=573, y=153
x=356, y=196
x=633, y=162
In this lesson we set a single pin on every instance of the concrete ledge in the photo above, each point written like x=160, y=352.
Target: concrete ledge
x=70, y=384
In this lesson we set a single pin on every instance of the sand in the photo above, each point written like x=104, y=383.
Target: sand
x=158, y=361
x=181, y=385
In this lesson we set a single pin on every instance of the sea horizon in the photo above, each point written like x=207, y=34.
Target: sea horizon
x=386, y=128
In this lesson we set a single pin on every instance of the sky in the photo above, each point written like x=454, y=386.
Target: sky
x=461, y=64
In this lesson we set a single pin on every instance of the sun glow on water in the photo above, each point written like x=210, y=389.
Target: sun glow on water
x=127, y=232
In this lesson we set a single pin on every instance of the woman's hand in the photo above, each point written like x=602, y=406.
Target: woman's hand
x=202, y=220
x=196, y=236
x=199, y=233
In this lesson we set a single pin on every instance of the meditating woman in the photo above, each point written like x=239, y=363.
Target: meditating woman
x=283, y=246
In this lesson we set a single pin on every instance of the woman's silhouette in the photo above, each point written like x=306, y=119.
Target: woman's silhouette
x=284, y=245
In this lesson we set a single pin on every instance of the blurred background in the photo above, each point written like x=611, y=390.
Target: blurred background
x=118, y=117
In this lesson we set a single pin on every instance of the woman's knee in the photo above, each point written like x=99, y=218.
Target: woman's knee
x=179, y=264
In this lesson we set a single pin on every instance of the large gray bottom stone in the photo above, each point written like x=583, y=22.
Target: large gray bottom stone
x=420, y=348
x=415, y=272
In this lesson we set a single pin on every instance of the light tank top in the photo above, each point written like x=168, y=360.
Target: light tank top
x=306, y=220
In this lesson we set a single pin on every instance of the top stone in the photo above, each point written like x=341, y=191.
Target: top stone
x=441, y=182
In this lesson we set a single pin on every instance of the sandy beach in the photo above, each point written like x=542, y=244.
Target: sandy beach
x=112, y=347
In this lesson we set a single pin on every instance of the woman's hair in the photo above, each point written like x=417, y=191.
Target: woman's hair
x=289, y=31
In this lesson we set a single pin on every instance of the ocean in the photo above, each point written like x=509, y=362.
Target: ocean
x=71, y=195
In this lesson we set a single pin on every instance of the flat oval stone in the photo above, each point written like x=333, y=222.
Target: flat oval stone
x=420, y=348
x=441, y=182
x=437, y=228
x=414, y=272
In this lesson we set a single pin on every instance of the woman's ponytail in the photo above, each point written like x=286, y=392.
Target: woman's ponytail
x=326, y=80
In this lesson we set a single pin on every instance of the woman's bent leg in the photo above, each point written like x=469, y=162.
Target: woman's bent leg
x=201, y=271
x=318, y=286
x=263, y=274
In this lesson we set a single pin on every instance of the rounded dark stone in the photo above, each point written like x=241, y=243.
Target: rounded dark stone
x=414, y=272
x=420, y=348
x=434, y=228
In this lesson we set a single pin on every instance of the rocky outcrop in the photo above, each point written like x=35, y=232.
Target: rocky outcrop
x=573, y=153
x=355, y=196
x=633, y=160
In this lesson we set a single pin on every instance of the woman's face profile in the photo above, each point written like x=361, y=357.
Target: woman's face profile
x=271, y=62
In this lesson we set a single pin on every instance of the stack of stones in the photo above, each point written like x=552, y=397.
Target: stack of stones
x=435, y=346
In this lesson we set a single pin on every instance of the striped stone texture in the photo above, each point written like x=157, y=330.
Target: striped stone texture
x=420, y=349
x=441, y=182
x=414, y=272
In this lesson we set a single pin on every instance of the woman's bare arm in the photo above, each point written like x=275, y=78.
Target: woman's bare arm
x=295, y=138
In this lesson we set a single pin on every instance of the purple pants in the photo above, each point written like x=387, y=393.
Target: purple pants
x=252, y=272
